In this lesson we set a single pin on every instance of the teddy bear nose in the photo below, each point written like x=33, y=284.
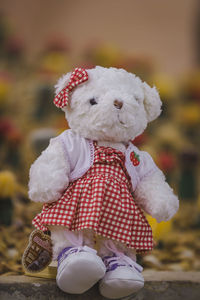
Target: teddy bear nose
x=118, y=104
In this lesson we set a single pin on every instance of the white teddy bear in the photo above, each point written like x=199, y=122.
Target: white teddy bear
x=95, y=183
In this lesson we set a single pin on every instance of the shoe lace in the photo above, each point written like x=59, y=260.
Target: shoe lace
x=119, y=258
x=71, y=250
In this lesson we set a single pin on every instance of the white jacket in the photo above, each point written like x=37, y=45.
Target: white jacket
x=80, y=156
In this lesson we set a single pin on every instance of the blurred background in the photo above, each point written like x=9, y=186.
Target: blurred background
x=158, y=41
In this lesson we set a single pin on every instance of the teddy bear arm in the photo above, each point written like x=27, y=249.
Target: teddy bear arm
x=156, y=197
x=49, y=174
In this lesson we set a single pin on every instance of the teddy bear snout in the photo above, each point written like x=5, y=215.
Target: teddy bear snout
x=118, y=104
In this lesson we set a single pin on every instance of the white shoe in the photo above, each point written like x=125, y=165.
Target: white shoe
x=79, y=268
x=123, y=277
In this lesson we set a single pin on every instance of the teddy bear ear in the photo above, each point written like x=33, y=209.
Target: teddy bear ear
x=152, y=102
x=62, y=82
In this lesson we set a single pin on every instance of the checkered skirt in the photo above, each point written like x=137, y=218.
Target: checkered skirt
x=101, y=200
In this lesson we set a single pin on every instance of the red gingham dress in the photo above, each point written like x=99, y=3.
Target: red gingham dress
x=102, y=200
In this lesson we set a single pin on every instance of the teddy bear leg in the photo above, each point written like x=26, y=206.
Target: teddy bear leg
x=79, y=266
x=123, y=275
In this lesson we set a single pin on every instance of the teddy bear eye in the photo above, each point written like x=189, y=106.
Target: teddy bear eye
x=93, y=101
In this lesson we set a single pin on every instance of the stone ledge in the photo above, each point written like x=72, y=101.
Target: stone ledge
x=158, y=285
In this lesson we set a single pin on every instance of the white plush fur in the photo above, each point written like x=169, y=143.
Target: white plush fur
x=49, y=174
x=103, y=122
x=156, y=197
x=109, y=126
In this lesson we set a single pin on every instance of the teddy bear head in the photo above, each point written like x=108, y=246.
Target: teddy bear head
x=111, y=105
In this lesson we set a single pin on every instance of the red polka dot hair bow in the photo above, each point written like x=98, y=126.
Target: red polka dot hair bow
x=78, y=76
